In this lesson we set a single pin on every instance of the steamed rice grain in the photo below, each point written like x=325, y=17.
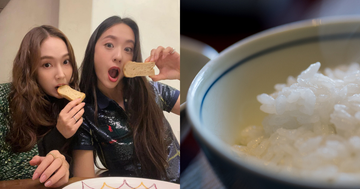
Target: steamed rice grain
x=313, y=126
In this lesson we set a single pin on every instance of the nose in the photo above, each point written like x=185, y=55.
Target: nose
x=117, y=56
x=59, y=72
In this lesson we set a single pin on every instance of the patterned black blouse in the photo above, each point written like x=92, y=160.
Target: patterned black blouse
x=112, y=141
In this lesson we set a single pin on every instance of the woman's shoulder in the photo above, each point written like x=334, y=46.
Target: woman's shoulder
x=4, y=91
x=161, y=87
x=4, y=106
x=4, y=94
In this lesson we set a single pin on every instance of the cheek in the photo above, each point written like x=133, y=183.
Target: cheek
x=69, y=71
x=40, y=76
x=97, y=63
x=42, y=80
x=129, y=57
x=99, y=69
x=98, y=55
x=126, y=58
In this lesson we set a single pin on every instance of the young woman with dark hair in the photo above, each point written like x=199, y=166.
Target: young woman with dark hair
x=31, y=110
x=123, y=120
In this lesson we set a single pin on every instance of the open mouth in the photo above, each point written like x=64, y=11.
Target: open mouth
x=59, y=86
x=114, y=72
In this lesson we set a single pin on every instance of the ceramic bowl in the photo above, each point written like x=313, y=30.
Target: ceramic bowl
x=194, y=55
x=222, y=98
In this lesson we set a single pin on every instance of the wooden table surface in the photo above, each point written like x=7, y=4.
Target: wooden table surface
x=32, y=184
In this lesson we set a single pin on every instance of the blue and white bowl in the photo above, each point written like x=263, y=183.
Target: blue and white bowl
x=222, y=98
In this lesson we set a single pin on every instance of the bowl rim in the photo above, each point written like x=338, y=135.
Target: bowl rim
x=218, y=146
x=200, y=48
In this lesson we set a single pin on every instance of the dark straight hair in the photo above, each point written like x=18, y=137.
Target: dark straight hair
x=145, y=118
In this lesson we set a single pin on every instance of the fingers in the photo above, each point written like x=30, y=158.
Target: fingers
x=159, y=52
x=78, y=123
x=61, y=182
x=59, y=171
x=35, y=160
x=71, y=105
x=56, y=169
x=68, y=117
x=168, y=51
x=79, y=114
x=147, y=59
x=42, y=166
x=156, y=54
x=77, y=111
x=157, y=77
x=53, y=169
x=44, y=162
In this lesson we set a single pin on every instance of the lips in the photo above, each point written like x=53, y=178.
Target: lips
x=57, y=86
x=113, y=73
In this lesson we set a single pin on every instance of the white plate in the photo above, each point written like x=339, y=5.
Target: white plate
x=122, y=183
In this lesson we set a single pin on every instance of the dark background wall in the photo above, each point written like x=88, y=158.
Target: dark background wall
x=220, y=23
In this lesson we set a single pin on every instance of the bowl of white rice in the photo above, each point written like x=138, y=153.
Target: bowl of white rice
x=281, y=108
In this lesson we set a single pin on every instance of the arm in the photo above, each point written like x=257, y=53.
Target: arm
x=60, y=136
x=82, y=151
x=53, y=140
x=167, y=97
x=66, y=127
x=83, y=163
x=176, y=108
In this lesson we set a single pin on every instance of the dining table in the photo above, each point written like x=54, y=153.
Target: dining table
x=33, y=184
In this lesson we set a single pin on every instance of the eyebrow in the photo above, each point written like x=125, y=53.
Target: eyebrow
x=50, y=57
x=114, y=38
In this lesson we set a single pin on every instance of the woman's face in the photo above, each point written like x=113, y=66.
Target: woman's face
x=114, y=48
x=54, y=68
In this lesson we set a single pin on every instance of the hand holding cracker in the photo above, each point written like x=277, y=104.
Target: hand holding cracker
x=168, y=62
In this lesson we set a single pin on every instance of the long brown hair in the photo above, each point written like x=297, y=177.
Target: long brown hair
x=145, y=116
x=30, y=107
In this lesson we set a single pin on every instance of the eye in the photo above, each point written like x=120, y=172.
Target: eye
x=46, y=65
x=128, y=49
x=109, y=45
x=66, y=62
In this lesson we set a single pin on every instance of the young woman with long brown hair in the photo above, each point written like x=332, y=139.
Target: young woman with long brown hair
x=123, y=120
x=34, y=119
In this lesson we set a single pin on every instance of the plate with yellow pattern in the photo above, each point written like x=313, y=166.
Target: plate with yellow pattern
x=122, y=183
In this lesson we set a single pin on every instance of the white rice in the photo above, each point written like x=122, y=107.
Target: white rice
x=313, y=127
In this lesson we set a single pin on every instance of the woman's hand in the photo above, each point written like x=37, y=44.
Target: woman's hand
x=54, y=169
x=70, y=118
x=168, y=62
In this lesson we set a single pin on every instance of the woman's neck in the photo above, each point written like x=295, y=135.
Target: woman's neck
x=115, y=94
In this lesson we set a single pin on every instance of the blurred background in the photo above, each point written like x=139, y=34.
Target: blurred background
x=220, y=24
